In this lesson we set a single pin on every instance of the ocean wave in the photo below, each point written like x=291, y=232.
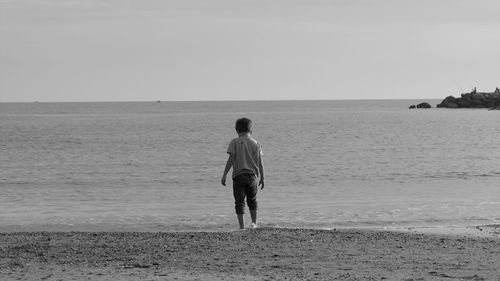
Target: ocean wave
x=462, y=175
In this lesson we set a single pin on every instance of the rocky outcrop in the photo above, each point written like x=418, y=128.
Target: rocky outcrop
x=423, y=105
x=473, y=99
x=420, y=105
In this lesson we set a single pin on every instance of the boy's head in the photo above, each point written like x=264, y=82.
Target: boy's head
x=243, y=125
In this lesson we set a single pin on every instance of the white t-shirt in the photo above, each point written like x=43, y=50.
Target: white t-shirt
x=247, y=153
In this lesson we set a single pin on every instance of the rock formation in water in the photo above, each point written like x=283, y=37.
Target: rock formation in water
x=420, y=105
x=473, y=99
x=423, y=105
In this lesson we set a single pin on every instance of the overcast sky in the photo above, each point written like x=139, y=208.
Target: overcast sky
x=142, y=50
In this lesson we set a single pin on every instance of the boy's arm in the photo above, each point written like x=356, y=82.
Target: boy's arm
x=229, y=164
x=261, y=172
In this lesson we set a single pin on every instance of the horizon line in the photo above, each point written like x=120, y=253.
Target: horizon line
x=202, y=100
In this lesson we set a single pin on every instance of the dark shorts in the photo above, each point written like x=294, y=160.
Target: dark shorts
x=245, y=185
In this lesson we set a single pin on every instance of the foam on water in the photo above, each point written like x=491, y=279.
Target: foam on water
x=157, y=166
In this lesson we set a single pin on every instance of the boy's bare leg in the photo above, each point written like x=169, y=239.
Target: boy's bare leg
x=253, y=215
x=241, y=221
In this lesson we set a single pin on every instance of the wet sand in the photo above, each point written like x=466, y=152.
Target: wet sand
x=261, y=254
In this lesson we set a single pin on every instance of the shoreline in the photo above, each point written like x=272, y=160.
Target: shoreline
x=480, y=230
x=260, y=254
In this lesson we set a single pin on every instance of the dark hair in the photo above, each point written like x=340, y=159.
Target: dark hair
x=243, y=125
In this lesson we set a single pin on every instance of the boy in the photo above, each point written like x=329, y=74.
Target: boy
x=245, y=157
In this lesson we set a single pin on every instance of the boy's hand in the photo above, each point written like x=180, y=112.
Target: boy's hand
x=223, y=180
x=261, y=183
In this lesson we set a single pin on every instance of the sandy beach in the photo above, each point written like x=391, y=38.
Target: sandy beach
x=261, y=254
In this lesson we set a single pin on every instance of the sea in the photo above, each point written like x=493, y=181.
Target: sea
x=156, y=166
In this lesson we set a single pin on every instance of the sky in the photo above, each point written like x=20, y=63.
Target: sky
x=148, y=50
